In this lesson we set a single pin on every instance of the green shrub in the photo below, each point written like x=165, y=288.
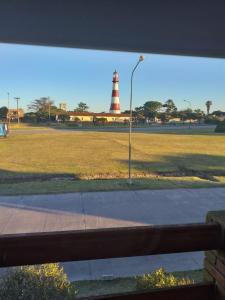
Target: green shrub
x=43, y=282
x=220, y=127
x=160, y=279
x=211, y=120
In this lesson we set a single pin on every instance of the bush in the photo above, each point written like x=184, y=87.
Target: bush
x=160, y=279
x=220, y=127
x=43, y=282
x=211, y=120
x=100, y=121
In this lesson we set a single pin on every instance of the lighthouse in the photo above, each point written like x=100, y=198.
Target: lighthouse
x=115, y=102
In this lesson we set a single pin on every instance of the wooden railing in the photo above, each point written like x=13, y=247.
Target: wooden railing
x=45, y=247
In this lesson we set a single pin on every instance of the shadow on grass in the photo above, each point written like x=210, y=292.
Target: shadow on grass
x=201, y=165
x=20, y=177
x=179, y=129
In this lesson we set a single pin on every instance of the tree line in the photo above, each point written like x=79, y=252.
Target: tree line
x=44, y=109
x=153, y=110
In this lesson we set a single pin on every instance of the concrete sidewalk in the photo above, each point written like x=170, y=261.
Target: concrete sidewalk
x=112, y=209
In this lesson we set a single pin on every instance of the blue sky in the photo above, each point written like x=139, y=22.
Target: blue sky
x=74, y=75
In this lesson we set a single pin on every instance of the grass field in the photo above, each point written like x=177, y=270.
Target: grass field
x=51, y=160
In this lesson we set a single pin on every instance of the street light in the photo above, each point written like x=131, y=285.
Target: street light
x=141, y=58
x=189, y=102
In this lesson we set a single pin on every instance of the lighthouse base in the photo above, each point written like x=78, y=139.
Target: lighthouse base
x=115, y=112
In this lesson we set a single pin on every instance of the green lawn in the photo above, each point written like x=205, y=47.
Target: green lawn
x=173, y=159
x=62, y=186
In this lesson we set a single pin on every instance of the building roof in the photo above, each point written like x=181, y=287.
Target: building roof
x=15, y=110
x=74, y=113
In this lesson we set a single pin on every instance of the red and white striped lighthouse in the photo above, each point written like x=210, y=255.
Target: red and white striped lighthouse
x=115, y=102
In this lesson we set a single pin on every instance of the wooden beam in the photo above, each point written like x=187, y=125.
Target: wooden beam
x=204, y=291
x=35, y=248
x=184, y=27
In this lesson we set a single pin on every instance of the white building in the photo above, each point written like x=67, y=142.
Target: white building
x=63, y=106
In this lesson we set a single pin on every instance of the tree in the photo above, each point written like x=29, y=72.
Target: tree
x=3, y=113
x=164, y=117
x=218, y=113
x=186, y=114
x=60, y=114
x=42, y=108
x=152, y=108
x=81, y=107
x=30, y=117
x=127, y=112
x=198, y=114
x=208, y=106
x=139, y=113
x=170, y=106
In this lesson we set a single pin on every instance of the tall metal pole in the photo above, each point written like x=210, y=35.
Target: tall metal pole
x=131, y=116
x=189, y=102
x=17, y=107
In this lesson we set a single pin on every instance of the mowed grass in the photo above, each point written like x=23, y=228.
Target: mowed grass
x=65, y=186
x=92, y=155
x=104, y=154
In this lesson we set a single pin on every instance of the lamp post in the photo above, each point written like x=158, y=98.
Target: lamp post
x=141, y=58
x=17, y=107
x=189, y=102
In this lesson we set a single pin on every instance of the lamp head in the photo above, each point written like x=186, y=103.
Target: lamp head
x=141, y=58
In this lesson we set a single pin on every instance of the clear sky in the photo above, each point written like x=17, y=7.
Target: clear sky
x=74, y=75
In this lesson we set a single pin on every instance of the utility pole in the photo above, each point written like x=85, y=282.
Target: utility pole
x=17, y=107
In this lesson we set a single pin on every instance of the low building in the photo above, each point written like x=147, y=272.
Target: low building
x=219, y=116
x=13, y=113
x=175, y=120
x=63, y=106
x=92, y=117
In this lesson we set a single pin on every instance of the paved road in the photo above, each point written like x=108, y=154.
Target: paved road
x=112, y=209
